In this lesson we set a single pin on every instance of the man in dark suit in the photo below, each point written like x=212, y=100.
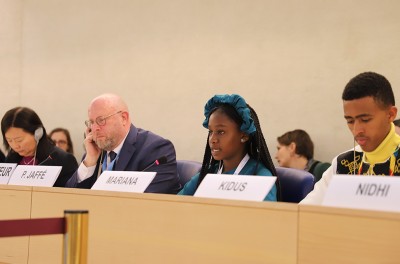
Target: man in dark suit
x=113, y=143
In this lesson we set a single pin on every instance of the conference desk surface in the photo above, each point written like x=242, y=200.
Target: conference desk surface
x=15, y=203
x=157, y=228
x=341, y=235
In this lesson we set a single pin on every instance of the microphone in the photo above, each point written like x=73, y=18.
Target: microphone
x=159, y=161
x=50, y=157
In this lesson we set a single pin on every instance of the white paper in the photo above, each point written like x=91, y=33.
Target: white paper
x=6, y=170
x=29, y=175
x=235, y=187
x=124, y=181
x=364, y=192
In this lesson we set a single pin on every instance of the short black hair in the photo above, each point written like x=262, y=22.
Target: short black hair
x=370, y=84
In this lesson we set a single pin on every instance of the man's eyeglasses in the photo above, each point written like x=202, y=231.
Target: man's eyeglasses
x=100, y=121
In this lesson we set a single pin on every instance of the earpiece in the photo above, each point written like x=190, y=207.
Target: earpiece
x=38, y=134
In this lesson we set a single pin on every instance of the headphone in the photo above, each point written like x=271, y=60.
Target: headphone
x=38, y=134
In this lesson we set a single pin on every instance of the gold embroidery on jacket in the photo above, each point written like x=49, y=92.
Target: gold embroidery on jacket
x=351, y=165
x=397, y=167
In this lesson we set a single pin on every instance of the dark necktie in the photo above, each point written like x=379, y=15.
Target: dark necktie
x=112, y=156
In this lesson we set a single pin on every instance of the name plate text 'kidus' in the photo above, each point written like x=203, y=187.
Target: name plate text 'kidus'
x=124, y=181
x=235, y=187
x=6, y=170
x=364, y=192
x=29, y=175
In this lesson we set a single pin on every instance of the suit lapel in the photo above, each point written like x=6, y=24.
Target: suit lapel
x=127, y=150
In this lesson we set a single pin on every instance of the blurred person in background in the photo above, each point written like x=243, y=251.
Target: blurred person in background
x=296, y=150
x=62, y=139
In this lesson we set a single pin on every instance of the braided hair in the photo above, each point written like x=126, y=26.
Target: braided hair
x=256, y=146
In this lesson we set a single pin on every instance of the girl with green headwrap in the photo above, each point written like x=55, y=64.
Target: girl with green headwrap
x=235, y=143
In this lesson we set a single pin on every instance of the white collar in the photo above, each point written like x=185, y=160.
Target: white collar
x=239, y=167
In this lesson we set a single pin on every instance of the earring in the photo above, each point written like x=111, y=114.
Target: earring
x=242, y=140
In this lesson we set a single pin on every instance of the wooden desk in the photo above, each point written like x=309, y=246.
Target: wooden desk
x=336, y=235
x=156, y=228
x=15, y=203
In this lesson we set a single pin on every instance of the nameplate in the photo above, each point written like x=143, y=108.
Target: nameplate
x=6, y=170
x=235, y=187
x=364, y=192
x=124, y=181
x=29, y=175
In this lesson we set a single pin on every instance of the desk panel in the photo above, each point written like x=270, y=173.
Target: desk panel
x=156, y=228
x=15, y=203
x=336, y=235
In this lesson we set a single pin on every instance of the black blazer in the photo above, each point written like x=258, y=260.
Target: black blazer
x=52, y=156
x=2, y=157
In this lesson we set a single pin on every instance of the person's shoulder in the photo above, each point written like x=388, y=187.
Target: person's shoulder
x=349, y=154
x=148, y=145
x=59, y=152
x=2, y=156
x=141, y=132
x=149, y=137
x=62, y=155
x=318, y=168
x=319, y=165
x=190, y=187
x=13, y=157
x=322, y=165
x=261, y=169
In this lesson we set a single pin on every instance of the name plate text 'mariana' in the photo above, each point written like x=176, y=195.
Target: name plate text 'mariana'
x=124, y=181
x=6, y=170
x=235, y=187
x=29, y=175
x=364, y=192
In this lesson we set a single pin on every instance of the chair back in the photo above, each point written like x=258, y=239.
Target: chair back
x=295, y=184
x=187, y=169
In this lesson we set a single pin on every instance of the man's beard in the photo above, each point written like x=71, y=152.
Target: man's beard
x=106, y=144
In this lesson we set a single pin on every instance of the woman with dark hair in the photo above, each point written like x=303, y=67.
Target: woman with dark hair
x=296, y=150
x=235, y=143
x=62, y=139
x=25, y=139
